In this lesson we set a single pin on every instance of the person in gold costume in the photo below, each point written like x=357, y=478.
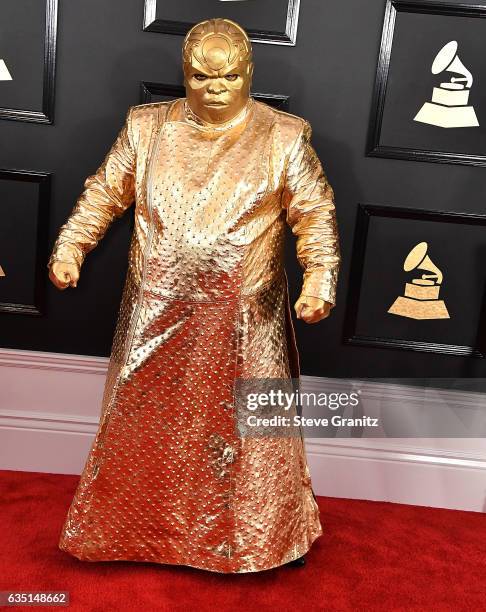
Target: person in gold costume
x=214, y=176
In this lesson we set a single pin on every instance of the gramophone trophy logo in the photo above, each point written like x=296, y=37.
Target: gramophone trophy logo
x=450, y=101
x=4, y=72
x=421, y=299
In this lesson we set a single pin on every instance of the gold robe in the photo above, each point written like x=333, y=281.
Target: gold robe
x=205, y=301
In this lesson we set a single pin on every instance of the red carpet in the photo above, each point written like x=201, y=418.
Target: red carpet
x=373, y=556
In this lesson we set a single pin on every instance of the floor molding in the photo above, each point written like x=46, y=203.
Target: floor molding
x=49, y=412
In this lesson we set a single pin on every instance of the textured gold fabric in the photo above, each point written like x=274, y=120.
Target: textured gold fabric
x=205, y=301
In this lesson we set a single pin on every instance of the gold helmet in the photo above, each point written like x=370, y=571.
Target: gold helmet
x=216, y=44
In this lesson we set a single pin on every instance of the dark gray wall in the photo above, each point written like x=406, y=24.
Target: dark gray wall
x=103, y=54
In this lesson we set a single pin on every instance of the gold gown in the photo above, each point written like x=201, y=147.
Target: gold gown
x=205, y=301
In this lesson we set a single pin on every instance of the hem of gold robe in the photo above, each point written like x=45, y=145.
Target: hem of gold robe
x=298, y=551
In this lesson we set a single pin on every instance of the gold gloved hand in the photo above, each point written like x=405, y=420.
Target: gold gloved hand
x=311, y=309
x=64, y=274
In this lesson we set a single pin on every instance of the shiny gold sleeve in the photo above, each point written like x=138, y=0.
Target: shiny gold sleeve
x=309, y=200
x=107, y=195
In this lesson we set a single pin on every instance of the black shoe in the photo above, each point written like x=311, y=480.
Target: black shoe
x=297, y=562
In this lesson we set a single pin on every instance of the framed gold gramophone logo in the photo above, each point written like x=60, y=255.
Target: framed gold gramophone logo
x=24, y=214
x=429, y=98
x=4, y=71
x=421, y=296
x=28, y=34
x=450, y=106
x=412, y=294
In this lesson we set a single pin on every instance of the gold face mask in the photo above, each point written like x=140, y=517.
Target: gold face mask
x=218, y=69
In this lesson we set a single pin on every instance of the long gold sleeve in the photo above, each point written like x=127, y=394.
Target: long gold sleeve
x=107, y=195
x=311, y=214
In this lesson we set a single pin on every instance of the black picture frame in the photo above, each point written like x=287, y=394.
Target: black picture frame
x=148, y=89
x=350, y=337
x=43, y=179
x=289, y=37
x=374, y=148
x=46, y=114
